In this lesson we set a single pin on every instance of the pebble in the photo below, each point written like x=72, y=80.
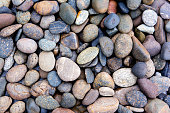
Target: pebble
x=31, y=77
x=20, y=57
x=96, y=19
x=87, y=55
x=112, y=8
x=111, y=21
x=53, y=79
x=160, y=106
x=7, y=31
x=133, y=4
x=3, y=83
x=158, y=62
x=67, y=69
x=167, y=99
x=136, y=98
x=123, y=7
x=33, y=31
x=150, y=68
x=67, y=13
x=32, y=60
x=62, y=110
x=102, y=58
x=80, y=88
x=46, y=45
x=122, y=109
x=100, y=6
x=18, y=91
x=139, y=51
x=149, y=17
x=46, y=7
x=164, y=12
x=16, y=73
x=90, y=32
x=137, y=21
x=5, y=103
x=90, y=97
x=129, y=61
x=65, y=51
x=6, y=47
x=134, y=109
x=5, y=3
x=17, y=2
x=65, y=87
x=5, y=9
x=112, y=32
x=146, y=29
x=83, y=4
x=70, y=40
x=35, y=17
x=123, y=46
x=58, y=27
x=46, y=61
x=148, y=2
x=104, y=104
x=67, y=100
x=89, y=75
x=46, y=20
x=17, y=107
x=114, y=63
x=6, y=19
x=139, y=69
x=135, y=13
x=31, y=106
x=47, y=102
x=148, y=88
x=27, y=45
x=26, y=5
x=106, y=91
x=52, y=37
x=81, y=17
x=165, y=51
x=167, y=27
x=124, y=77
x=106, y=45
x=23, y=17
x=103, y=79
x=42, y=73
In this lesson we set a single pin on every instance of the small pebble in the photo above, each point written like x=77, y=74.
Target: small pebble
x=31, y=77
x=81, y=17
x=53, y=79
x=133, y=4
x=67, y=100
x=46, y=20
x=46, y=45
x=100, y=6
x=146, y=29
x=83, y=4
x=65, y=87
x=5, y=103
x=23, y=17
x=31, y=106
x=106, y=91
x=165, y=52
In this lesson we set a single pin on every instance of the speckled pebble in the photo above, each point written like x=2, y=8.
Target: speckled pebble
x=17, y=107
x=32, y=60
x=67, y=100
x=23, y=17
x=31, y=77
x=65, y=87
x=46, y=45
x=53, y=79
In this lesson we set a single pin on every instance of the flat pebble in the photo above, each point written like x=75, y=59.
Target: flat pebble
x=32, y=60
x=53, y=79
x=20, y=57
x=31, y=77
x=46, y=20
x=65, y=87
x=46, y=45
x=106, y=91
x=5, y=103
x=31, y=106
x=146, y=29
x=150, y=68
x=23, y=17
x=52, y=37
x=68, y=100
x=139, y=69
x=89, y=75
x=111, y=21
x=17, y=107
x=100, y=6
x=81, y=17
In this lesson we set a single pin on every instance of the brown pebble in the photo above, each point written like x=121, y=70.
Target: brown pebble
x=6, y=19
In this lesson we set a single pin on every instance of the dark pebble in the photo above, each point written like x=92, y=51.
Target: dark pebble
x=5, y=9
x=65, y=51
x=165, y=52
x=31, y=106
x=167, y=99
x=89, y=75
x=111, y=21
x=166, y=71
x=139, y=69
x=114, y=63
x=3, y=83
x=123, y=7
x=68, y=100
x=53, y=79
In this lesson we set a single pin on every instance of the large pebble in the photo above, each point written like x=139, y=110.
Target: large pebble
x=46, y=20
x=124, y=77
x=16, y=73
x=53, y=79
x=31, y=106
x=27, y=45
x=100, y=6
x=46, y=7
x=139, y=69
x=81, y=17
x=123, y=46
x=67, y=100
x=32, y=60
x=133, y=4
x=17, y=107
x=23, y=17
x=33, y=31
x=165, y=52
x=31, y=77
x=5, y=103
x=46, y=61
x=46, y=45
x=104, y=104
x=111, y=21
x=6, y=19
x=83, y=4
x=5, y=9
x=164, y=11
x=18, y=91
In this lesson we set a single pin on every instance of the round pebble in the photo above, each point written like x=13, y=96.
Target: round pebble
x=31, y=77
x=20, y=57
x=32, y=60
x=111, y=21
x=23, y=17
x=68, y=100
x=83, y=4
x=17, y=107
x=46, y=45
x=133, y=4
x=100, y=6
x=53, y=79
x=139, y=69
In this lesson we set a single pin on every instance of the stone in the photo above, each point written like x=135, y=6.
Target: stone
x=100, y=6
x=31, y=77
x=90, y=32
x=133, y=4
x=23, y=17
x=114, y=63
x=67, y=13
x=26, y=5
x=32, y=60
x=67, y=100
x=16, y=73
x=20, y=57
x=125, y=24
x=123, y=7
x=87, y=55
x=144, y=7
x=17, y=2
x=62, y=1
x=139, y=51
x=6, y=19
x=26, y=45
x=102, y=58
x=167, y=27
x=149, y=17
x=148, y=2
x=158, y=62
x=146, y=29
x=157, y=4
x=167, y=99
x=164, y=12
x=47, y=102
x=123, y=46
x=103, y=79
x=46, y=20
x=137, y=21
x=136, y=98
x=157, y=105
x=150, y=68
x=135, y=13
x=52, y=37
x=83, y=4
x=134, y=109
x=129, y=61
x=112, y=32
x=106, y=45
x=96, y=19
x=165, y=51
x=5, y=3
x=89, y=75
x=53, y=79
x=46, y=45
x=80, y=88
x=65, y=87
x=112, y=8
x=46, y=61
x=67, y=69
x=122, y=109
x=6, y=47
x=81, y=17
x=148, y=88
x=7, y=31
x=5, y=103
x=139, y=69
x=46, y=7
x=58, y=27
x=111, y=21
x=18, y=91
x=5, y=9
x=43, y=74
x=62, y=110
x=3, y=83
x=31, y=106
x=90, y=97
x=65, y=51
x=104, y=104
x=33, y=31
x=106, y=91
x=17, y=107
x=35, y=17
x=124, y=77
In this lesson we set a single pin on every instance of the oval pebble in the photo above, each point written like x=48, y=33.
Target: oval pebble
x=111, y=21
x=100, y=6
x=23, y=17
x=46, y=45
x=5, y=103
x=53, y=79
x=31, y=77
x=17, y=107
x=81, y=17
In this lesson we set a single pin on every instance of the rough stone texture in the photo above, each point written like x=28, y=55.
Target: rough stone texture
x=31, y=77
x=150, y=68
x=158, y=62
x=5, y=103
x=114, y=63
x=133, y=4
x=17, y=107
x=23, y=17
x=145, y=28
x=68, y=100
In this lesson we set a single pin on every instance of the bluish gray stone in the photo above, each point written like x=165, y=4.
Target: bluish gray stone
x=111, y=21
x=68, y=100
x=89, y=75
x=46, y=45
x=53, y=79
x=3, y=83
x=31, y=106
x=65, y=87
